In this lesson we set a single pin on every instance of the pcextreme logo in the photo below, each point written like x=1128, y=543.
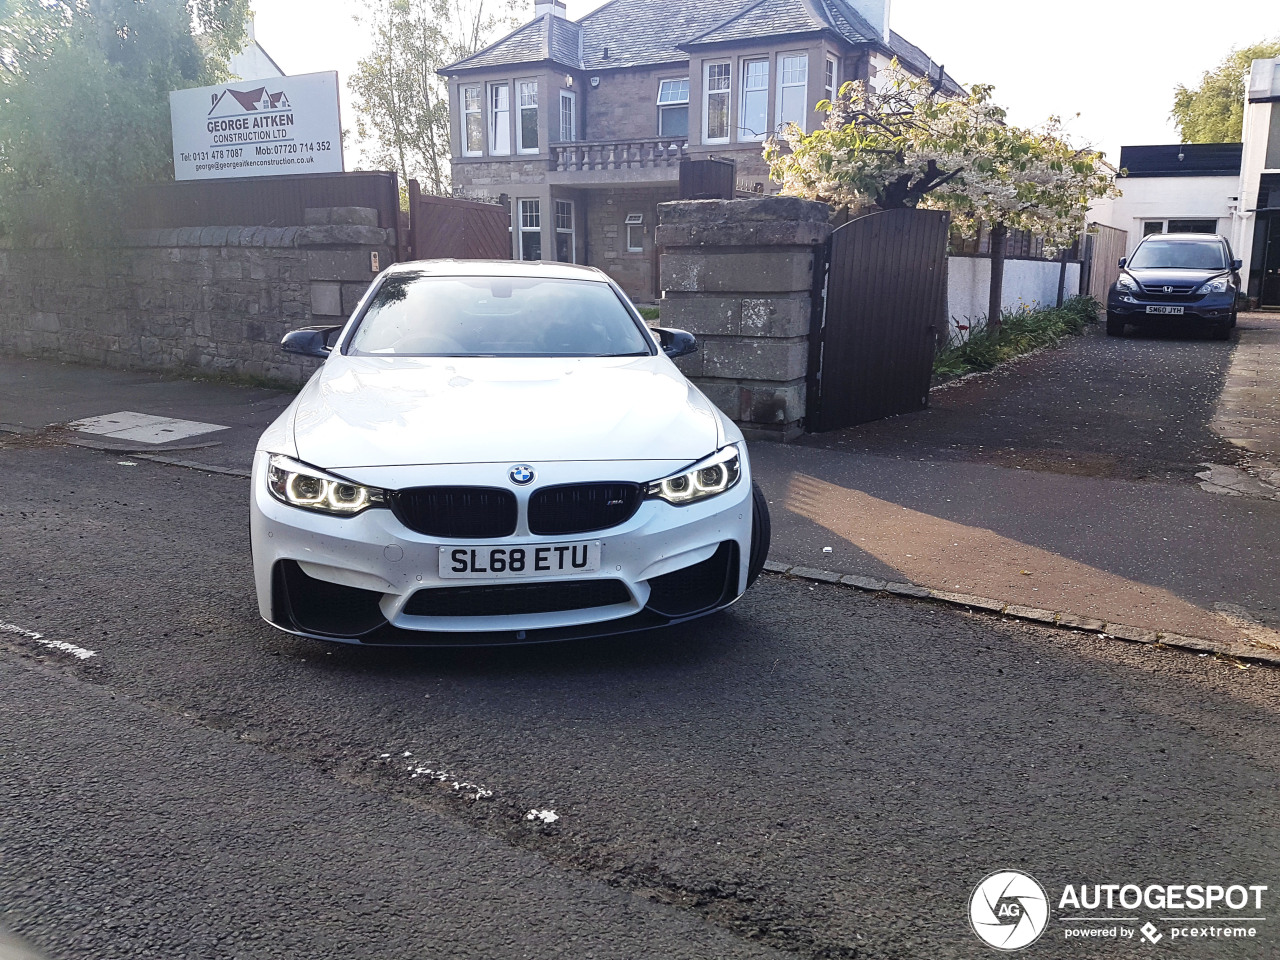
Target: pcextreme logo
x=1010, y=910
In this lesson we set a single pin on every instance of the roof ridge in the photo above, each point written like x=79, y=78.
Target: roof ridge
x=723, y=23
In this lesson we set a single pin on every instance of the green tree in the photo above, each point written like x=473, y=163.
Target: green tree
x=1214, y=111
x=906, y=145
x=84, y=102
x=402, y=104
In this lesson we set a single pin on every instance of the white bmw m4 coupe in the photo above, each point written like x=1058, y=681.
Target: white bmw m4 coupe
x=499, y=452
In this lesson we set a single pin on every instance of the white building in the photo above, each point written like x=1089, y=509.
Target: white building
x=1227, y=188
x=1174, y=188
x=1257, y=236
x=253, y=62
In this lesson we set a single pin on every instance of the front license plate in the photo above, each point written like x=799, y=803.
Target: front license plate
x=1164, y=310
x=536, y=560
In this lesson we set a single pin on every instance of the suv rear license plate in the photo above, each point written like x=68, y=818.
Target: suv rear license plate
x=534, y=560
x=1164, y=310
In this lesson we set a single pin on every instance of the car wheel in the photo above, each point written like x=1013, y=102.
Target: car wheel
x=1221, y=331
x=1115, y=326
x=1233, y=319
x=760, y=530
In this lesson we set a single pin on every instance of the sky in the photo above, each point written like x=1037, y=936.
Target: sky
x=1114, y=64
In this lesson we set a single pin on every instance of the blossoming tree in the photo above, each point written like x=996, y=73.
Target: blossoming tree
x=901, y=143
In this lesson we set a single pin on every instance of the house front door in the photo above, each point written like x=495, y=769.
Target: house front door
x=1269, y=295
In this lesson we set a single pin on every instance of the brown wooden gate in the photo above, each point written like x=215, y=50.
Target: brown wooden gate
x=886, y=302
x=442, y=227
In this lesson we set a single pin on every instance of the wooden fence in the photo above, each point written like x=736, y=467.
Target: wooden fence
x=1103, y=248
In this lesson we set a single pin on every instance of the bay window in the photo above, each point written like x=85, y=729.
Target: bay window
x=753, y=115
x=715, y=113
x=793, y=89
x=499, y=119
x=472, y=120
x=527, y=128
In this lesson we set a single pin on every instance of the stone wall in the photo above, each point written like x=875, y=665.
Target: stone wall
x=607, y=211
x=739, y=274
x=215, y=299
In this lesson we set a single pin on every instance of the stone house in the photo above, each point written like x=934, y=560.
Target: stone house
x=581, y=125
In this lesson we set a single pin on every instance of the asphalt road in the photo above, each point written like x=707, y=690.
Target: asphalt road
x=817, y=773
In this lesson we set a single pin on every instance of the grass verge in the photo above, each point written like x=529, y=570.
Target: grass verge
x=1020, y=331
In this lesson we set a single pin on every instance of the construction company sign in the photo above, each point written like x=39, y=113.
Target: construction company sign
x=257, y=128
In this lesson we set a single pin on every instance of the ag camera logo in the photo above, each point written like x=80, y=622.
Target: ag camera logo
x=1009, y=910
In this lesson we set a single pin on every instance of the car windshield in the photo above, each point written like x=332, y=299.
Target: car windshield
x=1179, y=254
x=419, y=315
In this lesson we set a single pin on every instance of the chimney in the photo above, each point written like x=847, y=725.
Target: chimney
x=876, y=13
x=556, y=8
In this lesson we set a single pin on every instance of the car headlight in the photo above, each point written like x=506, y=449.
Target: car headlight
x=298, y=485
x=1221, y=285
x=1127, y=283
x=707, y=478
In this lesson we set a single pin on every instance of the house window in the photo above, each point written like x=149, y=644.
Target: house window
x=499, y=119
x=530, y=230
x=673, y=108
x=568, y=116
x=527, y=129
x=829, y=80
x=719, y=78
x=1179, y=226
x=793, y=89
x=753, y=119
x=566, y=247
x=472, y=121
x=1272, y=159
x=635, y=233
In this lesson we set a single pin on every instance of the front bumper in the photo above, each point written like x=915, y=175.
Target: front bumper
x=354, y=579
x=1209, y=308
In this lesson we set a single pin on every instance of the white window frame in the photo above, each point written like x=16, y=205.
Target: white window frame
x=570, y=231
x=522, y=91
x=665, y=105
x=635, y=227
x=707, y=93
x=568, y=99
x=784, y=86
x=746, y=135
x=468, y=113
x=831, y=79
x=498, y=126
x=525, y=207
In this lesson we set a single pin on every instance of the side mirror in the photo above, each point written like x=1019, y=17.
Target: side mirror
x=1237, y=264
x=1123, y=261
x=311, y=341
x=676, y=343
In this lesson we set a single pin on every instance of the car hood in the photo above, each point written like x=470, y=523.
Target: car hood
x=1166, y=276
x=377, y=411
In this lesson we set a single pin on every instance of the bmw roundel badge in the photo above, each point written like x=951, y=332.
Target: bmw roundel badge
x=521, y=474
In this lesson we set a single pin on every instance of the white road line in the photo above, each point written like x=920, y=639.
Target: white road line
x=80, y=653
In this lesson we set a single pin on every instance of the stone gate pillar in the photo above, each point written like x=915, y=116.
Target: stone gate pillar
x=740, y=275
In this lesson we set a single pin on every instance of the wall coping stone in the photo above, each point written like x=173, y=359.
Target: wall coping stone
x=706, y=212
x=327, y=235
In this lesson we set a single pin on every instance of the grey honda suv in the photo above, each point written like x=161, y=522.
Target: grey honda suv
x=1176, y=276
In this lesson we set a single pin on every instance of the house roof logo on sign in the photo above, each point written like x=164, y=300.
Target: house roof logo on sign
x=252, y=101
